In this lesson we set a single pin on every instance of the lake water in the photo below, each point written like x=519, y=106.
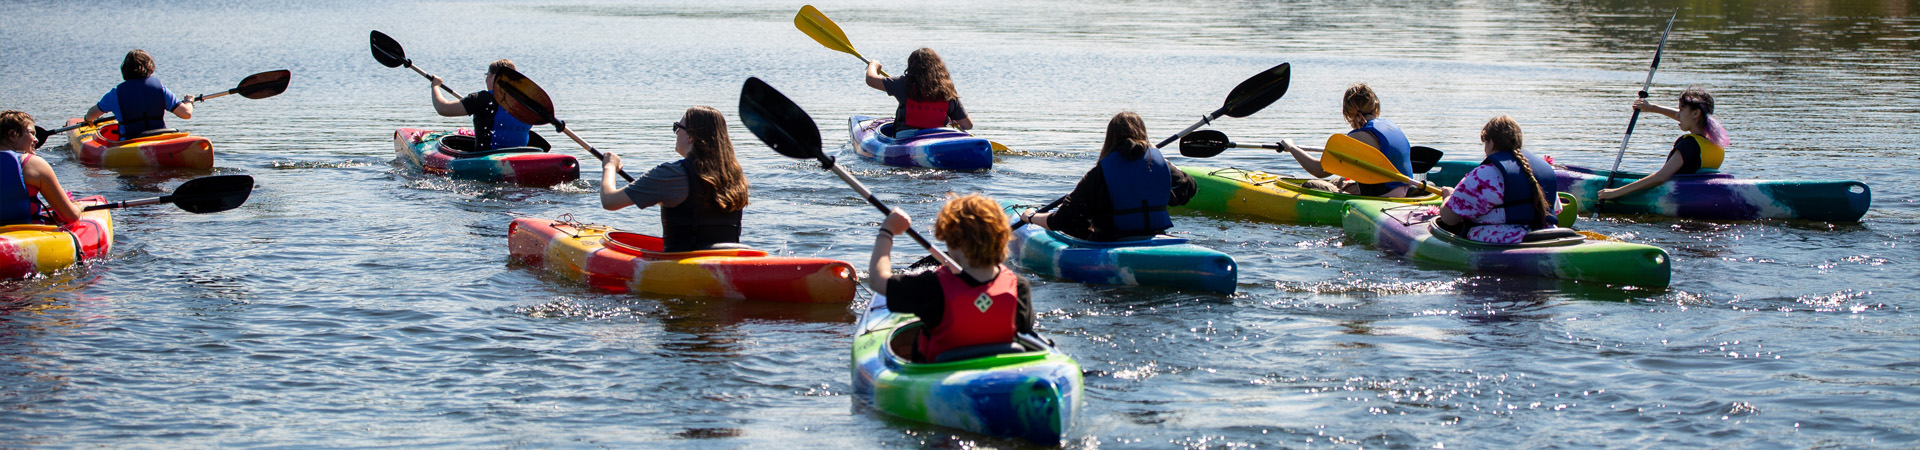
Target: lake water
x=355, y=303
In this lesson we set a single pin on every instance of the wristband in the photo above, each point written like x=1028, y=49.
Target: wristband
x=884, y=232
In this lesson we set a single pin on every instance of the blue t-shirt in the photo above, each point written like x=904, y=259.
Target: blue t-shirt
x=111, y=102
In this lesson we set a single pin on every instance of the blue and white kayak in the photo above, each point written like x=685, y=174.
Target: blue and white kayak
x=1164, y=261
x=938, y=148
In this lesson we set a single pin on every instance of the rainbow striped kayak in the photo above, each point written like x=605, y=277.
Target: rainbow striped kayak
x=430, y=152
x=938, y=148
x=1031, y=395
x=629, y=262
x=1706, y=196
x=1276, y=198
x=26, y=250
x=1406, y=230
x=93, y=146
x=1164, y=261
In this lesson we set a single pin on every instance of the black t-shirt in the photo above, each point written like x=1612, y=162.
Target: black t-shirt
x=1088, y=212
x=920, y=294
x=897, y=87
x=1689, y=151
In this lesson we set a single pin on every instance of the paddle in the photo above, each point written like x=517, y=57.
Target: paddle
x=199, y=196
x=257, y=86
x=1348, y=157
x=1209, y=143
x=781, y=124
x=390, y=54
x=527, y=102
x=1657, y=51
x=816, y=25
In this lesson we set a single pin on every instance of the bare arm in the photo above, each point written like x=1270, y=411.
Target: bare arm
x=963, y=124
x=1308, y=162
x=873, y=76
x=446, y=107
x=880, y=266
x=1666, y=172
x=1644, y=105
x=611, y=197
x=93, y=114
x=184, y=110
x=40, y=175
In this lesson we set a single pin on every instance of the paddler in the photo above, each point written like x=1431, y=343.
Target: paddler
x=1510, y=194
x=982, y=305
x=1361, y=108
x=1698, y=151
x=926, y=94
x=25, y=178
x=1126, y=194
x=701, y=196
x=493, y=128
x=140, y=103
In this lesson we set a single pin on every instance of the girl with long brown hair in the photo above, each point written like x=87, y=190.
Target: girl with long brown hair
x=701, y=196
x=1510, y=194
x=926, y=94
x=983, y=304
x=1127, y=192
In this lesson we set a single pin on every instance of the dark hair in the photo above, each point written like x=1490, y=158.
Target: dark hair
x=711, y=159
x=975, y=227
x=15, y=122
x=1697, y=98
x=137, y=65
x=1126, y=134
x=927, y=79
x=1504, y=133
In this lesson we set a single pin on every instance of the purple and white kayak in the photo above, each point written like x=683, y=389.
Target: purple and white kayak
x=937, y=148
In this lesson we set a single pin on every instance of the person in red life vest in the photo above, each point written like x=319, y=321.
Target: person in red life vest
x=26, y=178
x=1361, y=108
x=985, y=304
x=1126, y=194
x=493, y=128
x=701, y=196
x=1509, y=194
x=1699, y=151
x=140, y=103
x=926, y=95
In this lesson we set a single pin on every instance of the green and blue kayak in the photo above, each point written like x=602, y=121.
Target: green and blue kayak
x=1407, y=231
x=1163, y=261
x=1276, y=198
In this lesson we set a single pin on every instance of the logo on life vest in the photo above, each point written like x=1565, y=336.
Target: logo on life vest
x=983, y=302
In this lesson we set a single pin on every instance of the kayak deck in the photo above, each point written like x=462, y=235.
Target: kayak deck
x=91, y=146
x=1408, y=231
x=1274, y=197
x=938, y=148
x=528, y=166
x=1706, y=196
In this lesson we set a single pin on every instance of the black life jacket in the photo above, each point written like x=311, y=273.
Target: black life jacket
x=698, y=222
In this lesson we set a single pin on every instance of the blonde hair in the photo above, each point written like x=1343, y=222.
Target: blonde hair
x=975, y=228
x=1504, y=133
x=711, y=160
x=1359, y=101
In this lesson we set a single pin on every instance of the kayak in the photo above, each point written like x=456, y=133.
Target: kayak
x=619, y=261
x=1706, y=196
x=938, y=148
x=26, y=250
x=1031, y=394
x=442, y=152
x=1408, y=231
x=177, y=149
x=1164, y=261
x=1276, y=198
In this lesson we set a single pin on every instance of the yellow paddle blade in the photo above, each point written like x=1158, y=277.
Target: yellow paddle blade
x=823, y=30
x=999, y=147
x=1348, y=157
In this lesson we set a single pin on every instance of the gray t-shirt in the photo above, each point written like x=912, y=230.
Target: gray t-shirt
x=665, y=185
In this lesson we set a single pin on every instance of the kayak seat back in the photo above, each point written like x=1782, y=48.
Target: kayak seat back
x=980, y=351
x=1551, y=234
x=1132, y=241
x=151, y=135
x=462, y=146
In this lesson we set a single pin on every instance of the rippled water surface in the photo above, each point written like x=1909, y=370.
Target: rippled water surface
x=354, y=303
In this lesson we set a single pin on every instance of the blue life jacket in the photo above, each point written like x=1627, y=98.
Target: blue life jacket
x=143, y=106
x=1140, y=189
x=495, y=128
x=1519, y=195
x=16, y=205
x=1393, y=143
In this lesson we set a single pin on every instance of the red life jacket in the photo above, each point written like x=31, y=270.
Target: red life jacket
x=975, y=315
x=924, y=115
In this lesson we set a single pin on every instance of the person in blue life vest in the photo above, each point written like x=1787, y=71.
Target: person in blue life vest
x=26, y=178
x=984, y=304
x=925, y=92
x=1699, y=151
x=1126, y=194
x=493, y=127
x=140, y=103
x=701, y=196
x=1510, y=194
x=1361, y=108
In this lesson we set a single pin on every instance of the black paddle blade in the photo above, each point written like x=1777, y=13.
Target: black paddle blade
x=524, y=99
x=778, y=122
x=1424, y=157
x=264, y=84
x=386, y=50
x=1204, y=144
x=212, y=194
x=1256, y=93
x=40, y=136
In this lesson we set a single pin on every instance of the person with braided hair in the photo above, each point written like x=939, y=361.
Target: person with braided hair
x=1510, y=194
x=926, y=94
x=1698, y=151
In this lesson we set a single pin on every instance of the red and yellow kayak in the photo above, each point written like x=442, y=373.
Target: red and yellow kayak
x=26, y=250
x=630, y=262
x=97, y=146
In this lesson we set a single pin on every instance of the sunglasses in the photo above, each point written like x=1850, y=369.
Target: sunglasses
x=678, y=127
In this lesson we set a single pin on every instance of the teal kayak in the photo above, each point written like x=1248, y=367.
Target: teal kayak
x=1163, y=261
x=1030, y=394
x=1706, y=196
x=1407, y=231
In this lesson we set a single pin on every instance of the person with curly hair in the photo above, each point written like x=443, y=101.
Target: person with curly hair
x=926, y=94
x=984, y=303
